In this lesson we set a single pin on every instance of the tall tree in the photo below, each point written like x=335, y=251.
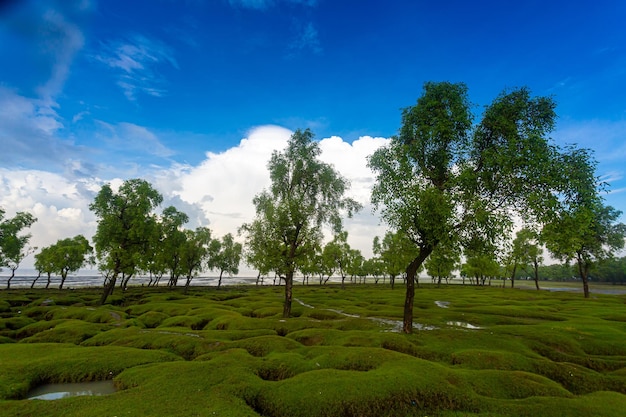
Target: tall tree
x=583, y=228
x=305, y=193
x=443, y=177
x=125, y=222
x=226, y=258
x=13, y=243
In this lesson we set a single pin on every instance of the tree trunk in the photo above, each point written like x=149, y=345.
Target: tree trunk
x=583, y=269
x=49, y=278
x=108, y=289
x=187, y=283
x=63, y=277
x=35, y=280
x=536, y=268
x=411, y=272
x=513, y=275
x=219, y=282
x=125, y=283
x=288, y=294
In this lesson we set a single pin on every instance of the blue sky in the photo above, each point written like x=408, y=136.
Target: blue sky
x=193, y=95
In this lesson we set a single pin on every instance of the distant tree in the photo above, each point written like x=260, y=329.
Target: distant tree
x=525, y=253
x=444, y=177
x=197, y=248
x=226, y=258
x=356, y=266
x=442, y=262
x=65, y=256
x=395, y=252
x=583, y=228
x=337, y=253
x=612, y=270
x=13, y=244
x=172, y=241
x=125, y=222
x=305, y=193
x=44, y=264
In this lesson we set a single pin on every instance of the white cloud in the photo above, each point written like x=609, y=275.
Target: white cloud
x=61, y=206
x=63, y=39
x=217, y=192
x=135, y=61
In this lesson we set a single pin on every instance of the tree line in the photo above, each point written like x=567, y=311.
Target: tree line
x=448, y=187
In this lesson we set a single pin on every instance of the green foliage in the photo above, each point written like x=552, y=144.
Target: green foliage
x=582, y=227
x=65, y=256
x=125, y=228
x=226, y=256
x=447, y=181
x=305, y=194
x=534, y=353
x=13, y=244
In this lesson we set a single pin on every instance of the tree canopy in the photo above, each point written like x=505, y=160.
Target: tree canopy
x=444, y=179
x=125, y=225
x=305, y=193
x=13, y=242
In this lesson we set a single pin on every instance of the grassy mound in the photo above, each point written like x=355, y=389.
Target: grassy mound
x=475, y=352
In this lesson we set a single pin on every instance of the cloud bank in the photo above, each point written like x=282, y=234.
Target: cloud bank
x=217, y=192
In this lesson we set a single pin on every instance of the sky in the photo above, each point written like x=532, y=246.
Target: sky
x=194, y=96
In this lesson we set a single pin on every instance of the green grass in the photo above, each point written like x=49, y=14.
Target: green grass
x=229, y=352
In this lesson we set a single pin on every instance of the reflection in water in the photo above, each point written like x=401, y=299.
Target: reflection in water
x=463, y=324
x=58, y=391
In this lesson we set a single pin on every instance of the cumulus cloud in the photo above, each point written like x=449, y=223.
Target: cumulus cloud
x=217, y=192
x=135, y=61
x=224, y=184
x=61, y=206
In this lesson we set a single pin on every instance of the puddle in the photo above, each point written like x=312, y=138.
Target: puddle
x=58, y=391
x=303, y=303
x=442, y=304
x=396, y=325
x=463, y=325
x=354, y=316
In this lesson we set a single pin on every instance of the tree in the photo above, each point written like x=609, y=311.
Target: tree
x=395, y=251
x=443, y=177
x=65, y=256
x=171, y=242
x=44, y=264
x=442, y=262
x=13, y=244
x=337, y=255
x=226, y=258
x=583, y=228
x=197, y=247
x=525, y=253
x=305, y=193
x=125, y=222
